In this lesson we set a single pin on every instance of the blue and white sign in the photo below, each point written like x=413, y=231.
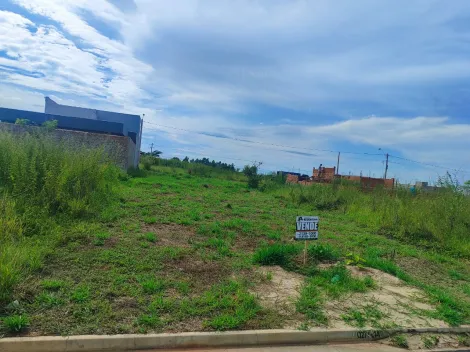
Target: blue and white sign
x=306, y=228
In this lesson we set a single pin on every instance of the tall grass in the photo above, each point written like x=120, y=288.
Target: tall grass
x=44, y=182
x=439, y=219
x=196, y=169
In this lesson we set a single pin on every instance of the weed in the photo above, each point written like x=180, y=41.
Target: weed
x=16, y=323
x=464, y=340
x=52, y=285
x=100, y=238
x=360, y=317
x=430, y=341
x=150, y=220
x=399, y=341
x=48, y=300
x=322, y=252
x=81, y=294
x=153, y=286
x=355, y=259
x=149, y=321
x=151, y=237
x=337, y=280
x=269, y=276
x=466, y=289
x=310, y=303
x=454, y=274
x=276, y=254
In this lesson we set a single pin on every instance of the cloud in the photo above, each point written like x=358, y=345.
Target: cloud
x=303, y=79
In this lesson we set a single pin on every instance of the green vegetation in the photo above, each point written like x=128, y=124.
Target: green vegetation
x=44, y=185
x=439, y=220
x=430, y=341
x=16, y=323
x=175, y=247
x=276, y=254
x=399, y=341
x=366, y=315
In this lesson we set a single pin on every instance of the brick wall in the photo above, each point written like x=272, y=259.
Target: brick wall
x=121, y=149
x=325, y=174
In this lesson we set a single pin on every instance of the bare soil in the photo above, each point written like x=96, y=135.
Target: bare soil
x=400, y=304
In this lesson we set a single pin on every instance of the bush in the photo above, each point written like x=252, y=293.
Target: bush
x=322, y=252
x=276, y=254
x=251, y=172
x=16, y=323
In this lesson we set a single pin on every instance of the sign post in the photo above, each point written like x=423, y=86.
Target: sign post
x=306, y=228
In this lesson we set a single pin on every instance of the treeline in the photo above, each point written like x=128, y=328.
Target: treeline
x=213, y=163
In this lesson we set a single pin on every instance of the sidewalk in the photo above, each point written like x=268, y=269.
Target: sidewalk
x=369, y=347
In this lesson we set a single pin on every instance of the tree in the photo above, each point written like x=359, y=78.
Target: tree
x=156, y=153
x=251, y=172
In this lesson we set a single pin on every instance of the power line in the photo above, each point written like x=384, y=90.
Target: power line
x=258, y=142
x=302, y=148
x=431, y=165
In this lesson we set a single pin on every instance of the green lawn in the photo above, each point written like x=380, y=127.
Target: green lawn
x=177, y=252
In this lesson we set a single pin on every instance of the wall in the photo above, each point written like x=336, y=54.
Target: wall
x=63, y=122
x=131, y=123
x=325, y=174
x=121, y=149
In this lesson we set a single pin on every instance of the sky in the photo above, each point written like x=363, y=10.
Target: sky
x=289, y=83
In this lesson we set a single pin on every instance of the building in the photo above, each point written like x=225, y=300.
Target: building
x=328, y=175
x=132, y=124
x=323, y=174
x=120, y=134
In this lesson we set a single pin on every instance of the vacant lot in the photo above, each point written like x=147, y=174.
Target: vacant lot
x=180, y=252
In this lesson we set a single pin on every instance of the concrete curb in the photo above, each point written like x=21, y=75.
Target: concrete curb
x=205, y=339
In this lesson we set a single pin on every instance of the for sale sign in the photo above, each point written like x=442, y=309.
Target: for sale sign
x=306, y=228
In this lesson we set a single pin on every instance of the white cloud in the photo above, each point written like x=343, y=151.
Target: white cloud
x=204, y=65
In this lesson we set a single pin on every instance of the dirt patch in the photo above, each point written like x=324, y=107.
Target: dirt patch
x=400, y=305
x=125, y=302
x=201, y=273
x=278, y=290
x=433, y=341
x=396, y=303
x=171, y=234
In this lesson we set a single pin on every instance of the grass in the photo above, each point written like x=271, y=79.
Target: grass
x=399, y=341
x=16, y=323
x=276, y=254
x=363, y=316
x=430, y=341
x=176, y=249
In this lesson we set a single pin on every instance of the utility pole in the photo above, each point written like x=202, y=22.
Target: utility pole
x=337, y=164
x=151, y=148
x=386, y=166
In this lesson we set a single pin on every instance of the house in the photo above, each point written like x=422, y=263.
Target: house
x=132, y=124
x=119, y=134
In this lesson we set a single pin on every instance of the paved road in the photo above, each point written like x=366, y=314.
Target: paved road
x=368, y=347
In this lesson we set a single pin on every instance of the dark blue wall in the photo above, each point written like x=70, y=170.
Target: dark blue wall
x=64, y=122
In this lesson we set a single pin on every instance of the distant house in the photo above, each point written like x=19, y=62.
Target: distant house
x=132, y=124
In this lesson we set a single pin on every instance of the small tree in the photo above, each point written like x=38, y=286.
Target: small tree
x=251, y=172
x=50, y=124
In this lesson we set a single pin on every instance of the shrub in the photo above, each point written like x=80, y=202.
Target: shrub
x=276, y=254
x=399, y=341
x=50, y=124
x=322, y=252
x=251, y=172
x=16, y=323
x=81, y=294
